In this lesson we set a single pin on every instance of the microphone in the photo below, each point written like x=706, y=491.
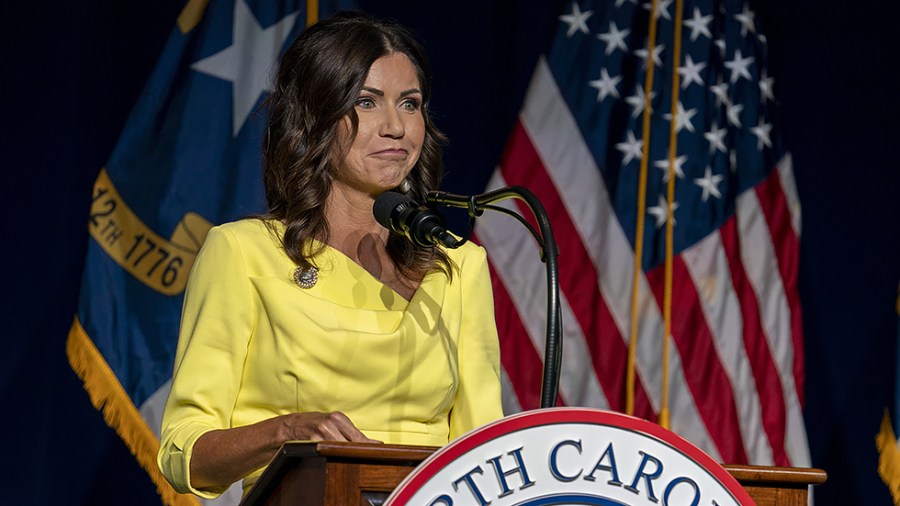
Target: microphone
x=420, y=224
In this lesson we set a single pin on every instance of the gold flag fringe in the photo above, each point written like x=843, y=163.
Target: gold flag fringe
x=119, y=412
x=889, y=461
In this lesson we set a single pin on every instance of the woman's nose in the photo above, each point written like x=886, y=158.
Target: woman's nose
x=392, y=124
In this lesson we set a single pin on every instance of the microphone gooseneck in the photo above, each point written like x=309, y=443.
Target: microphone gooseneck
x=476, y=204
x=420, y=224
x=425, y=227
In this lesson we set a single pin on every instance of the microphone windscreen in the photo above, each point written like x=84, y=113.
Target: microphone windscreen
x=385, y=205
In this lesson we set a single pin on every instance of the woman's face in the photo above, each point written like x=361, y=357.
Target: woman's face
x=391, y=128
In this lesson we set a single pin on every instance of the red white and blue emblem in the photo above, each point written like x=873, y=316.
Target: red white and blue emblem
x=570, y=456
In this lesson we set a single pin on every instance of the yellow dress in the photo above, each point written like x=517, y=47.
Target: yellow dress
x=254, y=345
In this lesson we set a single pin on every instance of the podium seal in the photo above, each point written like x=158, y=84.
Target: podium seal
x=570, y=456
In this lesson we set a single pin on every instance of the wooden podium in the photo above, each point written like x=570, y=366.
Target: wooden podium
x=777, y=486
x=350, y=474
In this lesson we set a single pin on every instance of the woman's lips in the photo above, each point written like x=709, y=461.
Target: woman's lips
x=391, y=153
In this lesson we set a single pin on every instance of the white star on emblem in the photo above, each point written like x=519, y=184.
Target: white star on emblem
x=683, y=118
x=762, y=132
x=577, y=21
x=638, y=99
x=698, y=24
x=644, y=55
x=739, y=66
x=605, y=86
x=746, y=20
x=661, y=212
x=733, y=111
x=664, y=165
x=662, y=8
x=691, y=72
x=614, y=38
x=247, y=62
x=620, y=2
x=631, y=149
x=710, y=184
x=765, y=87
x=716, y=138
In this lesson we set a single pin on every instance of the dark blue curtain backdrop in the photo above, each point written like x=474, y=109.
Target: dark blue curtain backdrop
x=71, y=72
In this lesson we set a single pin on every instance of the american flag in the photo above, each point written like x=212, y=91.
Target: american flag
x=735, y=359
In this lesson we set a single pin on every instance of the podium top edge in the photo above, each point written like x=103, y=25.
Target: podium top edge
x=762, y=474
x=342, y=449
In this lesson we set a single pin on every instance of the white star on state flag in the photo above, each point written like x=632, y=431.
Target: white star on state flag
x=577, y=21
x=661, y=212
x=247, y=62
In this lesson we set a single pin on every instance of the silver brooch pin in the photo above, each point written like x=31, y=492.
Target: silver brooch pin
x=306, y=277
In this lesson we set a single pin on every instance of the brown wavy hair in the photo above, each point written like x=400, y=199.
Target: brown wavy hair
x=318, y=82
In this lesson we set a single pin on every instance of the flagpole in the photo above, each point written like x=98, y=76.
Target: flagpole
x=312, y=12
x=641, y=216
x=670, y=218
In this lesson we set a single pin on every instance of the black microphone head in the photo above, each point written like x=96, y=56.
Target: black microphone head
x=420, y=224
x=385, y=205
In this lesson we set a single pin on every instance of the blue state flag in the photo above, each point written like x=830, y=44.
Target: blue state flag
x=886, y=440
x=189, y=157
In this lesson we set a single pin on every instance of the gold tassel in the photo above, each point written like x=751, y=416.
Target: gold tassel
x=889, y=461
x=119, y=412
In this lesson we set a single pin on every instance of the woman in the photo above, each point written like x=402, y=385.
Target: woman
x=313, y=322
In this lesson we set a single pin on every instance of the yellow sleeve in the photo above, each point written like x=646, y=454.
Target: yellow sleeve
x=477, y=399
x=216, y=325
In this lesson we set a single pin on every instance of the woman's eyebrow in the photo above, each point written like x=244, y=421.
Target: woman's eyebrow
x=380, y=93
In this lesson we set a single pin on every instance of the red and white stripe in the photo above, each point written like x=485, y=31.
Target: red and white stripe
x=735, y=368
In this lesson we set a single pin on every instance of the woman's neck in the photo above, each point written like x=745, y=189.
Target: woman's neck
x=354, y=232
x=352, y=226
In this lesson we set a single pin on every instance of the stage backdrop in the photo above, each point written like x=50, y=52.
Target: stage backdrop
x=74, y=72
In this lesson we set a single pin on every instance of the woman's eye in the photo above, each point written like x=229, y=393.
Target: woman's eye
x=411, y=104
x=365, y=103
